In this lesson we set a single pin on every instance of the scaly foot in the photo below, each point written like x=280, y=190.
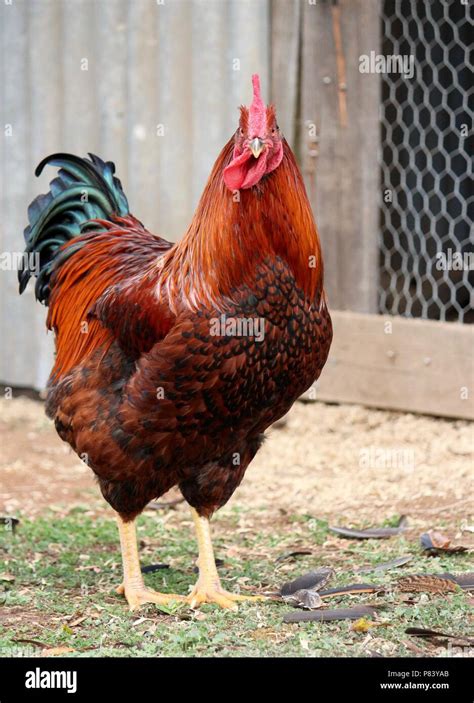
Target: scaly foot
x=138, y=596
x=208, y=588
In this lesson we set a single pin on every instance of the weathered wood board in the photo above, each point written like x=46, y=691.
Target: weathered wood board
x=403, y=364
x=339, y=141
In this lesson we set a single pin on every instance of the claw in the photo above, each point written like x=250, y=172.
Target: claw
x=219, y=596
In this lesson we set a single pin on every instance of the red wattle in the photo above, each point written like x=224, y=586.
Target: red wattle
x=244, y=171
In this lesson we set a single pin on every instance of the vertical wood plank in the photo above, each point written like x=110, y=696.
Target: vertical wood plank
x=360, y=171
x=319, y=135
x=341, y=165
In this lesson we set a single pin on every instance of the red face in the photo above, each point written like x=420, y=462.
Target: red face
x=258, y=146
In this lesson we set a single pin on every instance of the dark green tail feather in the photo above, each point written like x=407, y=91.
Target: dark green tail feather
x=65, y=212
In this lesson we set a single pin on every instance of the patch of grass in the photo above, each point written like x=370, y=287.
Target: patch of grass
x=65, y=570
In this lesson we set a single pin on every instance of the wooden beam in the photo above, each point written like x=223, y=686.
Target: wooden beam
x=402, y=364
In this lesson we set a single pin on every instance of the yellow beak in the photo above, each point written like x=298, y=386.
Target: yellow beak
x=256, y=147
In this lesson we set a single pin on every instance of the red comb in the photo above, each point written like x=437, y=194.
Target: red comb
x=257, y=113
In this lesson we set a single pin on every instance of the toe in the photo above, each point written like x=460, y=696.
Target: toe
x=240, y=597
x=225, y=602
x=219, y=597
x=137, y=598
x=216, y=598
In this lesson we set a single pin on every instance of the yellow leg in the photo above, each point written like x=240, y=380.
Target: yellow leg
x=133, y=587
x=208, y=588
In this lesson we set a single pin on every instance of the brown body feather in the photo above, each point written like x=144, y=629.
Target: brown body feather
x=142, y=389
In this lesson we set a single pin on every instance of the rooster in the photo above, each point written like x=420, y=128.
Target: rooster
x=173, y=360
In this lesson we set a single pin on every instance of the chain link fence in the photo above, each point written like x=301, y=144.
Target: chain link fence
x=426, y=249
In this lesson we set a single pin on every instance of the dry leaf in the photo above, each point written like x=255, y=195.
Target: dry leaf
x=435, y=542
x=413, y=648
x=78, y=621
x=233, y=552
x=139, y=621
x=57, y=651
x=7, y=577
x=35, y=643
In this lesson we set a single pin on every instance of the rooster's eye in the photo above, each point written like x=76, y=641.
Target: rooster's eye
x=241, y=132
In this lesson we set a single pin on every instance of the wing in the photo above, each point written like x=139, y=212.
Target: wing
x=102, y=290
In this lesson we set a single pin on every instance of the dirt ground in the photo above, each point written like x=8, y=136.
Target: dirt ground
x=328, y=461
x=342, y=465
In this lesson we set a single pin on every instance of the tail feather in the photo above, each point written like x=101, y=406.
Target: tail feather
x=83, y=190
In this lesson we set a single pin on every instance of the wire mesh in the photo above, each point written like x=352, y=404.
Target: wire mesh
x=426, y=250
